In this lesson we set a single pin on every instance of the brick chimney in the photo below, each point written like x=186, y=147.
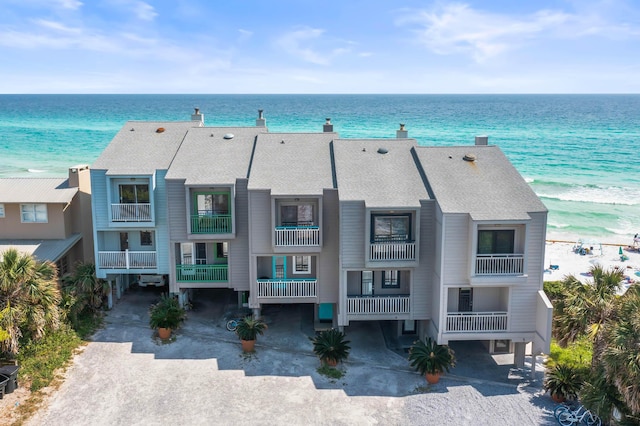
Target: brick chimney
x=327, y=127
x=402, y=133
x=482, y=140
x=261, y=121
x=197, y=116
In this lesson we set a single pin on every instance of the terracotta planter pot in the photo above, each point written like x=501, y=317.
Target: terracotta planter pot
x=248, y=345
x=164, y=333
x=432, y=379
x=557, y=398
x=331, y=362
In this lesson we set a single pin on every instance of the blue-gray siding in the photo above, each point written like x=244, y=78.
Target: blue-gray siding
x=352, y=234
x=239, y=247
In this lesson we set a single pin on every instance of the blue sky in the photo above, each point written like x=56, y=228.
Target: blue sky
x=302, y=46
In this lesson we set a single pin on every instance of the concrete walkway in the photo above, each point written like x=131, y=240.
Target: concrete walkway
x=126, y=377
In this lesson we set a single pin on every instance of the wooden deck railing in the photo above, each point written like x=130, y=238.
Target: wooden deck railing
x=131, y=212
x=367, y=305
x=499, y=264
x=297, y=236
x=476, y=321
x=287, y=288
x=202, y=273
x=392, y=251
x=127, y=259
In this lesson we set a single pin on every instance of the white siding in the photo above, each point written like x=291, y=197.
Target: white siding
x=455, y=251
x=328, y=274
x=239, y=247
x=352, y=234
x=422, y=291
x=524, y=298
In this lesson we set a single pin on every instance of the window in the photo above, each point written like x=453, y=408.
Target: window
x=222, y=250
x=145, y=238
x=33, y=213
x=201, y=254
x=496, y=241
x=391, y=279
x=63, y=266
x=215, y=203
x=297, y=215
x=1, y=210
x=134, y=194
x=367, y=283
x=301, y=264
x=391, y=228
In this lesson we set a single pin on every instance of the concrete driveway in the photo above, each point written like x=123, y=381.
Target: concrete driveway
x=126, y=377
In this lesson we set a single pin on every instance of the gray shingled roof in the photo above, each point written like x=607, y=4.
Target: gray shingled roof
x=205, y=157
x=489, y=188
x=299, y=166
x=42, y=249
x=380, y=180
x=36, y=190
x=143, y=150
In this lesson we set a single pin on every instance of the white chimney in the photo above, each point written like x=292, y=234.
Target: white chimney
x=482, y=140
x=327, y=127
x=197, y=116
x=260, y=121
x=402, y=133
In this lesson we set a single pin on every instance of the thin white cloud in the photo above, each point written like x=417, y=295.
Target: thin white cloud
x=144, y=11
x=56, y=26
x=296, y=43
x=69, y=4
x=311, y=45
x=457, y=28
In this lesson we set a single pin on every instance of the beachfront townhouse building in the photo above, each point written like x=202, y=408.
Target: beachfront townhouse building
x=440, y=241
x=49, y=218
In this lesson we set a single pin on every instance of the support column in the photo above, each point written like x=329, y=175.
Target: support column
x=533, y=366
x=518, y=354
x=110, y=295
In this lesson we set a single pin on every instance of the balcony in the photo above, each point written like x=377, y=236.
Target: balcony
x=297, y=236
x=368, y=305
x=211, y=224
x=127, y=259
x=287, y=288
x=476, y=322
x=202, y=273
x=499, y=264
x=131, y=212
x=385, y=251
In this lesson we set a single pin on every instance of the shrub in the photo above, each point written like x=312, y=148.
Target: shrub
x=331, y=346
x=429, y=357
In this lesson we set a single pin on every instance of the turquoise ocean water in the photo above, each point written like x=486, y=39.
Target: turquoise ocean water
x=580, y=153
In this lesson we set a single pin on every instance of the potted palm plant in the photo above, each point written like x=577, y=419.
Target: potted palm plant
x=563, y=382
x=166, y=315
x=431, y=359
x=330, y=346
x=248, y=330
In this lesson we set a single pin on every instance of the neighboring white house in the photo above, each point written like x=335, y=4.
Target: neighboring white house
x=443, y=241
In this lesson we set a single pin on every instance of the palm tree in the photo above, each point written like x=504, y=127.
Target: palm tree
x=587, y=307
x=621, y=357
x=84, y=291
x=29, y=298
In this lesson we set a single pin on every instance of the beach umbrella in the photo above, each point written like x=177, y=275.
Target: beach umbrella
x=620, y=251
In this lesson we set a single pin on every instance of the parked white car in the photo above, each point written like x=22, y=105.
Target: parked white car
x=147, y=279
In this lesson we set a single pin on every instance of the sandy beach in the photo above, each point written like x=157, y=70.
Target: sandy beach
x=569, y=260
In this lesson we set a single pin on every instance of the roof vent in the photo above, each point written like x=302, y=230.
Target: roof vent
x=382, y=150
x=132, y=130
x=228, y=136
x=282, y=141
x=211, y=135
x=160, y=130
x=469, y=157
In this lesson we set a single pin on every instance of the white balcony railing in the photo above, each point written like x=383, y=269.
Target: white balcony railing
x=476, y=321
x=367, y=305
x=127, y=259
x=499, y=264
x=297, y=236
x=131, y=212
x=392, y=251
x=285, y=288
